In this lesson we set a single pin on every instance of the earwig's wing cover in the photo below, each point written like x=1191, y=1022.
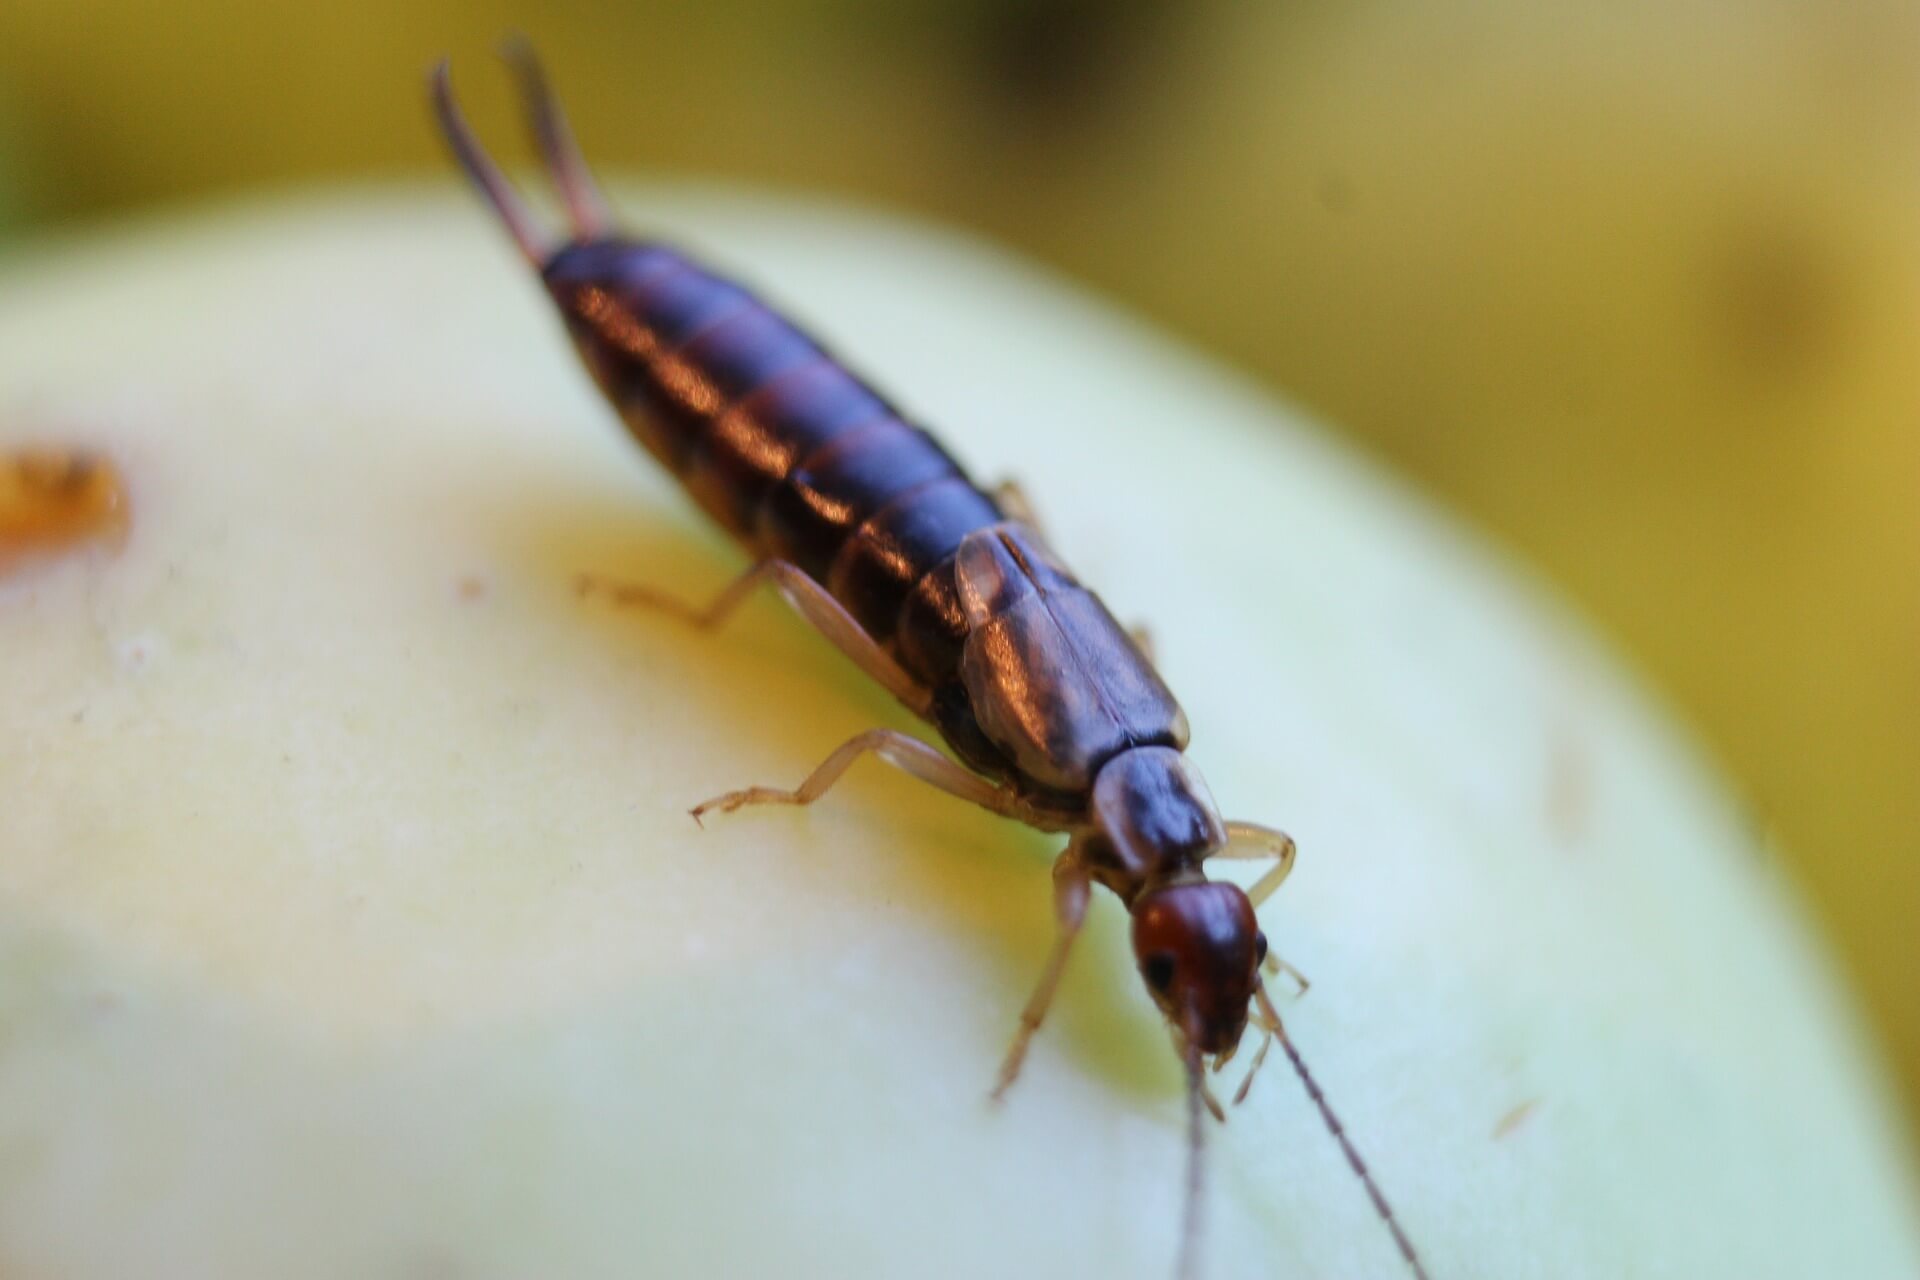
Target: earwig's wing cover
x=1053, y=679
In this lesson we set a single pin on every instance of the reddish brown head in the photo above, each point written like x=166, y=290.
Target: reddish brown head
x=1199, y=949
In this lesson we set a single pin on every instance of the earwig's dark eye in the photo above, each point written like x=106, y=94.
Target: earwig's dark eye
x=1260, y=949
x=1158, y=970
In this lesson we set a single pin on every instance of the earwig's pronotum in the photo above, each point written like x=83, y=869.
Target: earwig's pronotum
x=867, y=528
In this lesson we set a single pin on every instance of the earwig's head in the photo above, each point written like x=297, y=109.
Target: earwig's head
x=1199, y=949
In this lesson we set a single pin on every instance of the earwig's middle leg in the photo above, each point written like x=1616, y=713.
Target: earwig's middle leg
x=813, y=602
x=1070, y=889
x=902, y=751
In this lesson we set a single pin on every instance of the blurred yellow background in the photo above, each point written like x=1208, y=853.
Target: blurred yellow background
x=1637, y=289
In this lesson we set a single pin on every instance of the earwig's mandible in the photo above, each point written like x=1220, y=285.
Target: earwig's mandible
x=945, y=594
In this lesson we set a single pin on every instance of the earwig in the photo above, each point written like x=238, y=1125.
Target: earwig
x=945, y=594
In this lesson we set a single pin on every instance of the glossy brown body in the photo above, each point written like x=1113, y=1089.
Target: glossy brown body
x=1032, y=681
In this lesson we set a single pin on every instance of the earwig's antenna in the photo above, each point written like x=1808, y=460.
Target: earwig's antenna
x=485, y=174
x=1271, y=1017
x=568, y=168
x=1188, y=1267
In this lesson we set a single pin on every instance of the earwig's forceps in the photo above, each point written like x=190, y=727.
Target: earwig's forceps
x=481, y=169
x=586, y=206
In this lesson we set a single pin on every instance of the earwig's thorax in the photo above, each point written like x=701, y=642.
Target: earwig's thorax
x=1156, y=814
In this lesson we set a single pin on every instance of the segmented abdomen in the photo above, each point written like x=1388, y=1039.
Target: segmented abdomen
x=779, y=442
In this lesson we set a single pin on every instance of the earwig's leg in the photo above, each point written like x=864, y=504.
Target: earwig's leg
x=1248, y=840
x=1275, y=965
x=1142, y=637
x=1014, y=504
x=1070, y=889
x=1264, y=842
x=900, y=750
x=812, y=600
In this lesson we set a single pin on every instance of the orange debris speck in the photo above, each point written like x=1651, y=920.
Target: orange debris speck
x=54, y=498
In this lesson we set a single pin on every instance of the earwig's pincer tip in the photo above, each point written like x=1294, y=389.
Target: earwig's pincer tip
x=516, y=49
x=523, y=60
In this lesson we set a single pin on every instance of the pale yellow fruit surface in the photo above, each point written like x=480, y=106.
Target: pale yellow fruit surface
x=352, y=922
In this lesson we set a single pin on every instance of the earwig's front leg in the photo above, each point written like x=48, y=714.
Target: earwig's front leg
x=1250, y=840
x=812, y=600
x=900, y=750
x=1070, y=891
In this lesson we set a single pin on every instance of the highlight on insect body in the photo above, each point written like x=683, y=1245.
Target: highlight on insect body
x=946, y=594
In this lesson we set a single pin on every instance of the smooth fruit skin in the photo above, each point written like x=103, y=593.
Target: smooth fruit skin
x=351, y=921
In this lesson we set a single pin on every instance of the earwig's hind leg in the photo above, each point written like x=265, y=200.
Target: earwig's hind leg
x=1249, y=840
x=812, y=600
x=1070, y=890
x=902, y=751
x=568, y=168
